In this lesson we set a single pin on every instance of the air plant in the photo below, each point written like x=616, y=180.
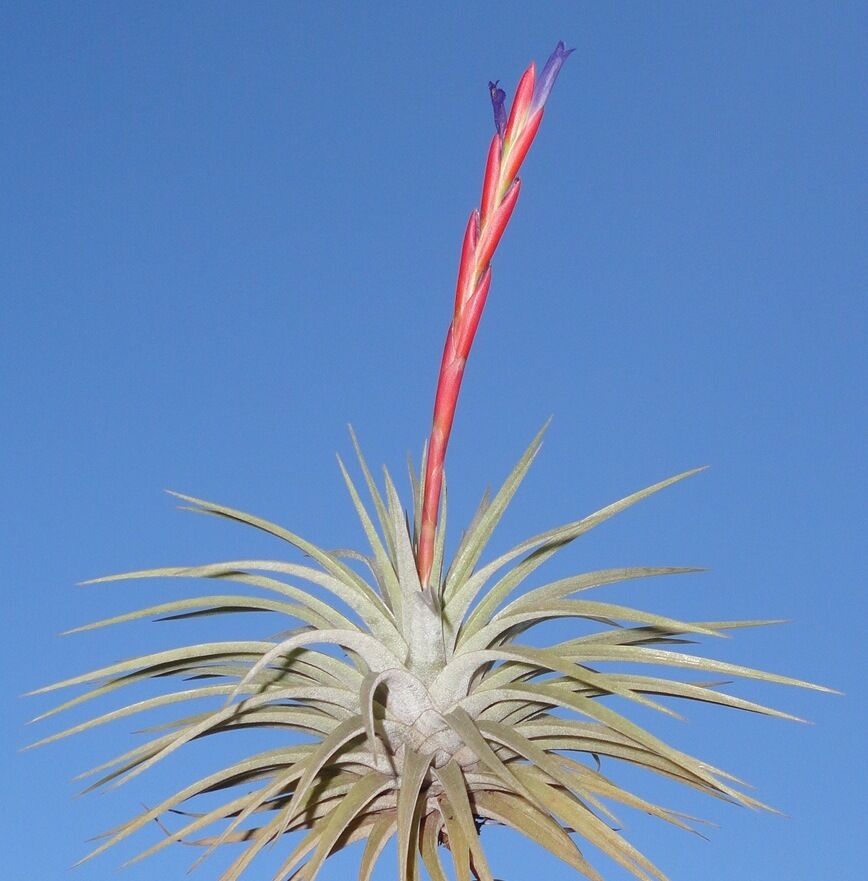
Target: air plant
x=425, y=714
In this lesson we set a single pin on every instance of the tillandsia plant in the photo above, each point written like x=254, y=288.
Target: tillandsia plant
x=425, y=715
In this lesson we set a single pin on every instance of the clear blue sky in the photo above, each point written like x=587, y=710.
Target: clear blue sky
x=227, y=230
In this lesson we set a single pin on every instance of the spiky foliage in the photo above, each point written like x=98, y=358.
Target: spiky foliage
x=426, y=714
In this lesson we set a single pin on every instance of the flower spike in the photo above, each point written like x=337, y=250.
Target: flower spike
x=500, y=190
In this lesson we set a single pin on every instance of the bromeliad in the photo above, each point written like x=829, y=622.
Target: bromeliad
x=423, y=714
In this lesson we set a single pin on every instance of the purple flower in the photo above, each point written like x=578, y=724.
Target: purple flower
x=498, y=100
x=547, y=78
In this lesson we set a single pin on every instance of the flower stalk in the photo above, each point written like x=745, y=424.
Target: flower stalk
x=500, y=190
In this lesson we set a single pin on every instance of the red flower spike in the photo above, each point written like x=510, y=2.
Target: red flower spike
x=500, y=190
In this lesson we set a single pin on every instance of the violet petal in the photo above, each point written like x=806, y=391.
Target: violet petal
x=549, y=74
x=498, y=103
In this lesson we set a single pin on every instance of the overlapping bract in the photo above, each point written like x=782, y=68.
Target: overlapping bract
x=435, y=719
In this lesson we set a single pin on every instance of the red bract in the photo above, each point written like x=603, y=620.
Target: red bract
x=500, y=191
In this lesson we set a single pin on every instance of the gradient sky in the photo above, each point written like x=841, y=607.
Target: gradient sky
x=229, y=229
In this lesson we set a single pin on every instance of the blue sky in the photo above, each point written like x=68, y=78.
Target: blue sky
x=226, y=231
